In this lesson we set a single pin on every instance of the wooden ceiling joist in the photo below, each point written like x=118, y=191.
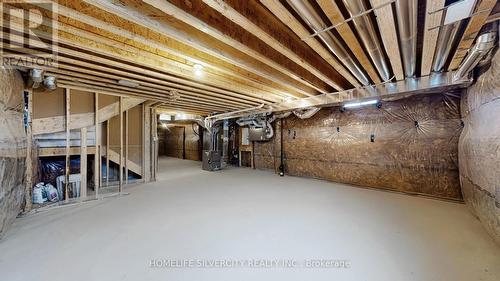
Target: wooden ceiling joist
x=476, y=22
x=158, y=95
x=284, y=47
x=184, y=52
x=335, y=16
x=105, y=90
x=140, y=14
x=155, y=92
x=296, y=26
x=387, y=27
x=123, y=58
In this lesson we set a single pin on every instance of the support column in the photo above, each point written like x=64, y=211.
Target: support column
x=107, y=153
x=97, y=155
x=121, y=145
x=67, y=162
x=83, y=162
x=126, y=147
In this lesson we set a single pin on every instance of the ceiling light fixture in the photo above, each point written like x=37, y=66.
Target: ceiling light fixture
x=358, y=104
x=198, y=70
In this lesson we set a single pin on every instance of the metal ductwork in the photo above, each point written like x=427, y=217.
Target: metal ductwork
x=35, y=78
x=306, y=113
x=447, y=35
x=406, y=11
x=307, y=12
x=367, y=32
x=50, y=83
x=260, y=125
x=484, y=43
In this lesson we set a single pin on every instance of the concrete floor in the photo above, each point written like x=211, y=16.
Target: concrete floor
x=246, y=215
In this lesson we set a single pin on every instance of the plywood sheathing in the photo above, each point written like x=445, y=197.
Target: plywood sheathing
x=403, y=157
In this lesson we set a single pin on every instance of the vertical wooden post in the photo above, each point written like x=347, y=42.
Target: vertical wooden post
x=126, y=147
x=67, y=166
x=107, y=152
x=97, y=155
x=83, y=162
x=29, y=153
x=121, y=145
x=154, y=150
x=143, y=154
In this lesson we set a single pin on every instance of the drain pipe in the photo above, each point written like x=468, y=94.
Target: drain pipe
x=367, y=32
x=484, y=43
x=306, y=113
x=307, y=12
x=406, y=11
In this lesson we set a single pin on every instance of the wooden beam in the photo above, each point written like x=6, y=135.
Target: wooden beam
x=335, y=16
x=387, y=27
x=29, y=155
x=83, y=162
x=235, y=16
x=126, y=146
x=475, y=24
x=77, y=121
x=103, y=90
x=147, y=143
x=162, y=91
x=121, y=145
x=67, y=162
x=209, y=56
x=140, y=93
x=61, y=151
x=430, y=36
x=296, y=26
x=151, y=46
x=115, y=157
x=136, y=15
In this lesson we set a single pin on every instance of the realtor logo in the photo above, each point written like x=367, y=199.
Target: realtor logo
x=29, y=34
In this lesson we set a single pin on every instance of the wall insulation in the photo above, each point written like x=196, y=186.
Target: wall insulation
x=12, y=147
x=408, y=145
x=479, y=148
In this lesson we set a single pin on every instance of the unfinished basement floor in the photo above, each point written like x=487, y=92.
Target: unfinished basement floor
x=242, y=214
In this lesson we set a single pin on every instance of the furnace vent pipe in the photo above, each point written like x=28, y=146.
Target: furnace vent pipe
x=308, y=14
x=368, y=35
x=484, y=43
x=35, y=78
x=406, y=11
x=306, y=113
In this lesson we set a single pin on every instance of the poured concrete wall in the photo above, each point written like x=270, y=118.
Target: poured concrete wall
x=12, y=147
x=479, y=148
x=414, y=148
